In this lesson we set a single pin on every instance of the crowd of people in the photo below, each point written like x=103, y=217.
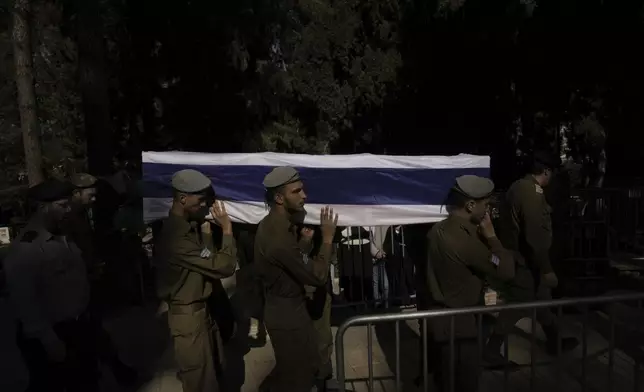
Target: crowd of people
x=50, y=269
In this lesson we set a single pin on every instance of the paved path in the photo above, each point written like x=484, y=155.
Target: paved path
x=142, y=338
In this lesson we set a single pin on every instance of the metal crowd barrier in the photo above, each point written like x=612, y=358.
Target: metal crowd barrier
x=361, y=281
x=396, y=318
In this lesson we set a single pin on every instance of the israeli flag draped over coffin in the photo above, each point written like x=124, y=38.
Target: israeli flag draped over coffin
x=365, y=189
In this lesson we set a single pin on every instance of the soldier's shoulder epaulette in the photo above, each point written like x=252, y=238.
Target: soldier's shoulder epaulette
x=29, y=236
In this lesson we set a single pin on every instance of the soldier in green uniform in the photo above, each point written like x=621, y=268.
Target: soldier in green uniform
x=80, y=229
x=319, y=305
x=526, y=228
x=49, y=289
x=186, y=266
x=322, y=326
x=285, y=269
x=463, y=250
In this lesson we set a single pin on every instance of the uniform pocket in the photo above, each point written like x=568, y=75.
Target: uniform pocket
x=193, y=346
x=189, y=323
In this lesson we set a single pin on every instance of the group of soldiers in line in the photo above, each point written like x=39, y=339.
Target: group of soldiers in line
x=296, y=303
x=48, y=281
x=51, y=268
x=465, y=251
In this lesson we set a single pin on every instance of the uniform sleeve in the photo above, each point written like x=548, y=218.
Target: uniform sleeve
x=207, y=239
x=308, y=271
x=222, y=263
x=22, y=272
x=490, y=258
x=535, y=224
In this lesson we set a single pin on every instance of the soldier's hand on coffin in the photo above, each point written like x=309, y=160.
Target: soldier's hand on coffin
x=328, y=223
x=220, y=217
x=486, y=228
x=550, y=280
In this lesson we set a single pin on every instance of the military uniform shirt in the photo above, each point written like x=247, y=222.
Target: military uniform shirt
x=47, y=279
x=285, y=268
x=180, y=243
x=527, y=224
x=461, y=261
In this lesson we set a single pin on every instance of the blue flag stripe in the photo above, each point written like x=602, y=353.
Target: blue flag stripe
x=352, y=186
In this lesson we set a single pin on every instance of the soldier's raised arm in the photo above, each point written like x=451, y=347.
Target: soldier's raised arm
x=222, y=262
x=488, y=256
x=310, y=271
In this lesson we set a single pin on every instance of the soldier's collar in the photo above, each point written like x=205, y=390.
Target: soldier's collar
x=180, y=222
x=531, y=178
x=466, y=224
x=280, y=220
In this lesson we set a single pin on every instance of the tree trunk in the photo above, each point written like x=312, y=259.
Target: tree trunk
x=94, y=88
x=26, y=92
x=96, y=110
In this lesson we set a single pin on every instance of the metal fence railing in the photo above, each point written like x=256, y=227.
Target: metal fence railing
x=363, y=278
x=531, y=308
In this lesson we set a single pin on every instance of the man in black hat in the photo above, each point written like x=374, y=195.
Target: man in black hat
x=463, y=251
x=49, y=289
x=187, y=266
x=285, y=270
x=526, y=228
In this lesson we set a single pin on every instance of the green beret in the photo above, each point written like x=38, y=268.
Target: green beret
x=83, y=180
x=190, y=181
x=50, y=190
x=279, y=176
x=474, y=187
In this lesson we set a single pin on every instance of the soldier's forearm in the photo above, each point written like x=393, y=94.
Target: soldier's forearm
x=228, y=244
x=208, y=241
x=225, y=265
x=495, y=246
x=226, y=259
x=321, y=262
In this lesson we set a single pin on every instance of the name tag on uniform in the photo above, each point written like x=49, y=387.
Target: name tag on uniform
x=538, y=188
x=205, y=253
x=305, y=258
x=495, y=260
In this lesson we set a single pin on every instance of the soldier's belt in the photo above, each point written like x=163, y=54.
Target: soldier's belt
x=186, y=309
